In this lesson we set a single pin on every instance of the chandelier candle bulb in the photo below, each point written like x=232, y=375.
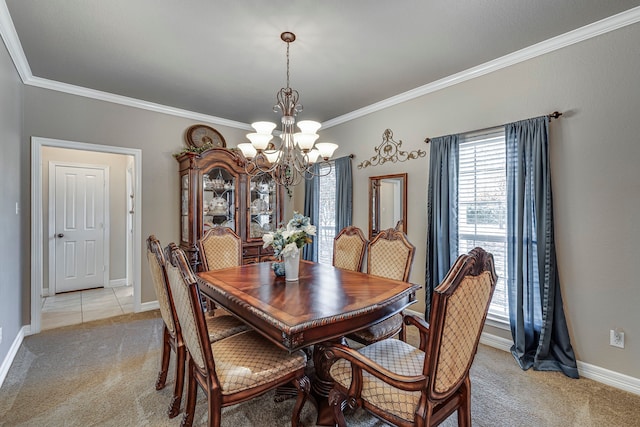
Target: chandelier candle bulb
x=326, y=149
x=264, y=127
x=260, y=141
x=305, y=140
x=247, y=150
x=313, y=155
x=273, y=156
x=309, y=126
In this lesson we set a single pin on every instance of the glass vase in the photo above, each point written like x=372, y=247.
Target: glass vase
x=292, y=266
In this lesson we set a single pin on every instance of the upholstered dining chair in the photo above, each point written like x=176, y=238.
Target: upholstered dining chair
x=217, y=328
x=390, y=255
x=234, y=369
x=408, y=386
x=349, y=247
x=220, y=247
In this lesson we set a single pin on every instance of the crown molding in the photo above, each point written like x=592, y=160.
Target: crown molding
x=11, y=40
x=603, y=26
x=131, y=102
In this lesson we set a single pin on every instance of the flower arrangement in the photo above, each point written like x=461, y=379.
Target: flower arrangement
x=287, y=241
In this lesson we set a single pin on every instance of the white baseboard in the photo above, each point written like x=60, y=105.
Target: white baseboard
x=116, y=283
x=612, y=378
x=148, y=306
x=13, y=350
x=496, y=342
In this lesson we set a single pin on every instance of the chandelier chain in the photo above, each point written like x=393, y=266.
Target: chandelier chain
x=288, y=64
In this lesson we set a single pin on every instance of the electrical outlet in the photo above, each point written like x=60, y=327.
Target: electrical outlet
x=616, y=338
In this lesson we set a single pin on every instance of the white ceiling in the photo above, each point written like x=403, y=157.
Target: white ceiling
x=225, y=58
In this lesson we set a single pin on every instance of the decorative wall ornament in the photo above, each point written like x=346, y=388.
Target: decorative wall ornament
x=389, y=151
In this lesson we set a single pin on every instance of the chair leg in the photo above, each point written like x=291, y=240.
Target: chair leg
x=164, y=364
x=464, y=410
x=192, y=395
x=338, y=401
x=174, y=407
x=304, y=387
x=214, y=407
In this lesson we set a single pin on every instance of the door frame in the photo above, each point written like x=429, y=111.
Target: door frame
x=37, y=219
x=105, y=229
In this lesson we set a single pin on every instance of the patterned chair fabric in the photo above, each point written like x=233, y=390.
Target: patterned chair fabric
x=349, y=247
x=156, y=265
x=396, y=356
x=410, y=386
x=171, y=335
x=390, y=255
x=218, y=327
x=220, y=247
x=233, y=369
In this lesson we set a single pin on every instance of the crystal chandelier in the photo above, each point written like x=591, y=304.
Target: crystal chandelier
x=291, y=160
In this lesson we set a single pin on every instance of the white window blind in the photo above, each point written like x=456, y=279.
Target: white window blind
x=326, y=228
x=482, y=205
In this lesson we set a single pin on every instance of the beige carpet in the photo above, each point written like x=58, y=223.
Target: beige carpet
x=102, y=373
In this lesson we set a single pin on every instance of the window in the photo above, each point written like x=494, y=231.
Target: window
x=482, y=206
x=326, y=227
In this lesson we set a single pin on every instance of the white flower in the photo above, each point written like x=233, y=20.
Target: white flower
x=289, y=249
x=310, y=230
x=267, y=239
x=288, y=233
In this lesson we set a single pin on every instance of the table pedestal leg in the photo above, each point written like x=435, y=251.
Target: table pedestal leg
x=321, y=386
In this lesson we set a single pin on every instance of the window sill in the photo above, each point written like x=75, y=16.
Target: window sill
x=497, y=322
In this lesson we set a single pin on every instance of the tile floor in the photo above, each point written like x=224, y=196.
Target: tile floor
x=72, y=308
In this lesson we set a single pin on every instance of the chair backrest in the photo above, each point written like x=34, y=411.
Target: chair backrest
x=390, y=255
x=157, y=263
x=220, y=247
x=459, y=309
x=190, y=316
x=349, y=247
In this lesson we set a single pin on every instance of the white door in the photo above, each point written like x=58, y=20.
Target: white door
x=79, y=228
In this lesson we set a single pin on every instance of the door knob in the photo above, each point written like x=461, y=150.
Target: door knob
x=60, y=235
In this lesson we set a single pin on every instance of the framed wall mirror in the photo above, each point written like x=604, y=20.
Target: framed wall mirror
x=387, y=203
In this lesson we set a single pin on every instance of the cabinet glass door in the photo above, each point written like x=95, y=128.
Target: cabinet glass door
x=262, y=206
x=184, y=208
x=218, y=199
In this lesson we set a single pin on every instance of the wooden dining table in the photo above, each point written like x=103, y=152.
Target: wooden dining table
x=324, y=305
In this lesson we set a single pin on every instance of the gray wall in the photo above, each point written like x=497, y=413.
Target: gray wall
x=596, y=179
x=117, y=164
x=12, y=191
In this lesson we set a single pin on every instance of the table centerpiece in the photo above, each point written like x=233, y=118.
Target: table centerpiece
x=287, y=242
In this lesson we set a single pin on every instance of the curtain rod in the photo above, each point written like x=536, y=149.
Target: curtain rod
x=554, y=115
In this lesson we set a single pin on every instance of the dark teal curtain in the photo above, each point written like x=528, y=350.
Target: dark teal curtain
x=311, y=204
x=344, y=193
x=538, y=324
x=442, y=212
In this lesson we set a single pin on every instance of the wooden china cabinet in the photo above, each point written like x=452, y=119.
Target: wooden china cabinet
x=216, y=191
